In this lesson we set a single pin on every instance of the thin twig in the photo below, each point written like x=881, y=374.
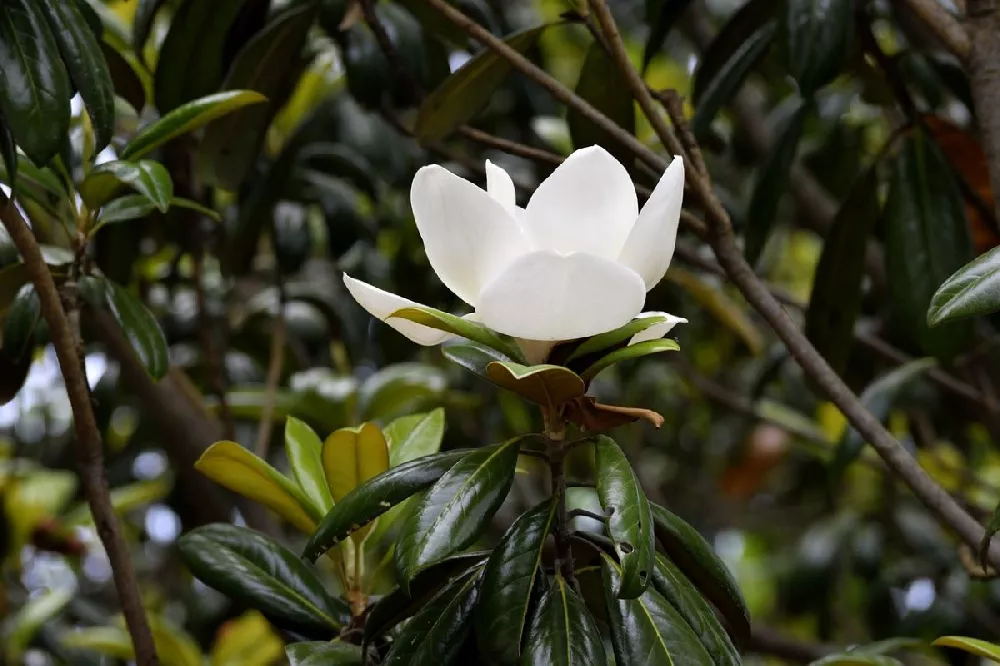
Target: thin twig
x=583, y=513
x=92, y=473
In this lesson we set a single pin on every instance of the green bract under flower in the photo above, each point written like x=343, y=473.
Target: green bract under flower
x=576, y=262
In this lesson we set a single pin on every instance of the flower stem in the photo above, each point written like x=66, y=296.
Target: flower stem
x=555, y=436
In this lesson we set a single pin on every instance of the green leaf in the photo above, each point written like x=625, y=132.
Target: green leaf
x=415, y=436
x=398, y=605
x=629, y=520
x=505, y=594
x=456, y=509
x=661, y=15
x=34, y=86
x=148, y=178
x=563, y=631
x=599, y=343
x=137, y=206
x=837, y=286
x=975, y=646
x=138, y=323
x=234, y=467
x=927, y=239
x=772, y=183
x=698, y=562
x=19, y=323
x=12, y=279
x=142, y=23
x=188, y=118
x=84, y=61
x=127, y=74
x=324, y=653
x=849, y=659
x=269, y=63
x=546, y=385
x=304, y=451
x=254, y=569
x=879, y=399
x=816, y=37
x=20, y=628
x=474, y=358
x=436, y=634
x=449, y=323
x=464, y=94
x=627, y=354
x=678, y=591
x=736, y=50
x=648, y=629
x=971, y=291
x=399, y=389
x=374, y=497
x=601, y=85
x=8, y=155
x=191, y=63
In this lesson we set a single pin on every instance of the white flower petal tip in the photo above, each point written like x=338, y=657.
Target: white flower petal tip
x=587, y=204
x=469, y=237
x=656, y=331
x=500, y=186
x=380, y=304
x=650, y=245
x=548, y=296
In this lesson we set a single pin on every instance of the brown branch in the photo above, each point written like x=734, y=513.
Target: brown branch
x=939, y=502
x=91, y=452
x=945, y=26
x=983, y=64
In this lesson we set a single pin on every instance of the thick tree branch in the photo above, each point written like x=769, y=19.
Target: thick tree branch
x=945, y=26
x=942, y=505
x=984, y=77
x=91, y=452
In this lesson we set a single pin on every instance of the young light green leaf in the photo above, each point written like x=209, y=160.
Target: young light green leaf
x=34, y=86
x=463, y=94
x=629, y=520
x=975, y=646
x=414, y=436
x=187, y=118
x=501, y=615
x=304, y=451
x=324, y=653
x=20, y=628
x=254, y=569
x=563, y=631
x=627, y=354
x=376, y=496
x=971, y=291
x=456, y=509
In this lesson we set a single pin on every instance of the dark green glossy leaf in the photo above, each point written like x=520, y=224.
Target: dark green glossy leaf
x=142, y=23
x=506, y=592
x=837, y=286
x=324, y=653
x=191, y=60
x=126, y=74
x=81, y=54
x=268, y=63
x=629, y=520
x=398, y=605
x=252, y=568
x=627, y=354
x=188, y=118
x=816, y=36
x=456, y=509
x=563, y=631
x=148, y=178
x=698, y=562
x=678, y=591
x=927, y=240
x=740, y=45
x=601, y=84
x=470, y=330
x=661, y=15
x=772, y=184
x=547, y=385
x=376, y=496
x=464, y=94
x=8, y=155
x=474, y=358
x=879, y=399
x=613, y=338
x=648, y=629
x=971, y=291
x=12, y=279
x=34, y=86
x=435, y=635
x=138, y=323
x=137, y=206
x=20, y=321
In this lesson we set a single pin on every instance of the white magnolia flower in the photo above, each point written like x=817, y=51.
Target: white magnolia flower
x=575, y=262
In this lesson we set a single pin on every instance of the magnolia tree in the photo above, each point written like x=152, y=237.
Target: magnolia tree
x=212, y=208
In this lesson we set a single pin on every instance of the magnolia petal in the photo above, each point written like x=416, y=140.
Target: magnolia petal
x=500, y=186
x=587, y=204
x=469, y=237
x=656, y=331
x=548, y=296
x=535, y=351
x=650, y=246
x=380, y=304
